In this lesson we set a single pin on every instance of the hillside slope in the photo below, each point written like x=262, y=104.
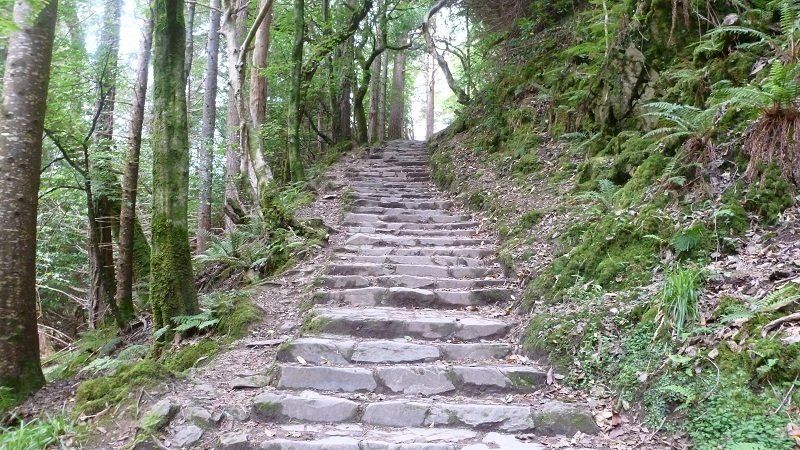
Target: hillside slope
x=638, y=160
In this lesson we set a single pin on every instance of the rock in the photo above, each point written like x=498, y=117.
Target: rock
x=308, y=406
x=559, y=418
x=237, y=412
x=159, y=415
x=199, y=416
x=395, y=414
x=186, y=436
x=250, y=382
x=332, y=443
x=234, y=441
x=415, y=380
x=265, y=343
x=385, y=352
x=501, y=417
x=327, y=379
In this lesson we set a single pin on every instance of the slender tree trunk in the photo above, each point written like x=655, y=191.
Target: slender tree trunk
x=172, y=290
x=22, y=112
x=398, y=109
x=258, y=80
x=375, y=79
x=234, y=29
x=345, y=90
x=130, y=176
x=430, y=105
x=187, y=64
x=102, y=215
x=381, y=131
x=206, y=156
x=333, y=93
x=294, y=159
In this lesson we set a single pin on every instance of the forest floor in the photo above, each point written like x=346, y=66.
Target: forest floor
x=227, y=382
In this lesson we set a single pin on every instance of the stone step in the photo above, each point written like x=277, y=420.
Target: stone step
x=376, y=270
x=491, y=441
x=383, y=183
x=395, y=232
x=467, y=252
x=339, y=352
x=359, y=281
x=403, y=204
x=409, y=297
x=394, y=211
x=545, y=419
x=423, y=380
x=419, y=217
x=418, y=196
x=468, y=226
x=412, y=241
x=417, y=260
x=390, y=323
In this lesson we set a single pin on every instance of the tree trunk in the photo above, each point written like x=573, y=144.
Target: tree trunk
x=258, y=81
x=102, y=183
x=234, y=30
x=30, y=48
x=430, y=105
x=206, y=156
x=187, y=64
x=294, y=159
x=375, y=77
x=345, y=90
x=381, y=131
x=172, y=290
x=462, y=96
x=130, y=177
x=398, y=109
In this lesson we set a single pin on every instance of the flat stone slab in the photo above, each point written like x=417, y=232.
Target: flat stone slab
x=186, y=436
x=414, y=297
x=308, y=406
x=234, y=441
x=398, y=323
x=409, y=281
x=342, y=379
x=411, y=241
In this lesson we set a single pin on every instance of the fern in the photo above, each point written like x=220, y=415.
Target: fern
x=686, y=395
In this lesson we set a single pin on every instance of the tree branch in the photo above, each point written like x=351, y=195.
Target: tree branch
x=463, y=98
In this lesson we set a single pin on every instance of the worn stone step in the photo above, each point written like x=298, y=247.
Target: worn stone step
x=424, y=380
x=412, y=241
x=410, y=297
x=469, y=226
x=489, y=441
x=339, y=352
x=402, y=204
x=467, y=252
x=416, y=260
x=382, y=323
x=546, y=419
x=358, y=437
x=419, y=217
x=360, y=281
x=389, y=183
x=410, y=269
x=401, y=232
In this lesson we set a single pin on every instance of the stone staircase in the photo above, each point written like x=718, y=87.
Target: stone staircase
x=407, y=345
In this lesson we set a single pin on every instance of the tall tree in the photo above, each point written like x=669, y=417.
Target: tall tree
x=398, y=108
x=102, y=191
x=130, y=175
x=27, y=73
x=380, y=129
x=375, y=76
x=172, y=289
x=461, y=95
x=294, y=160
x=430, y=105
x=234, y=28
x=206, y=153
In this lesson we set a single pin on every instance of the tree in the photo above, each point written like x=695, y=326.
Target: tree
x=430, y=105
x=172, y=289
x=398, y=108
x=462, y=96
x=25, y=85
x=294, y=161
x=206, y=153
x=130, y=176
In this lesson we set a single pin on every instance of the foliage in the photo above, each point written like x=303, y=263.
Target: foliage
x=35, y=434
x=678, y=307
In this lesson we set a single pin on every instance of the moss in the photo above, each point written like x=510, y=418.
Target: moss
x=313, y=324
x=478, y=200
x=235, y=322
x=96, y=394
x=770, y=196
x=189, y=356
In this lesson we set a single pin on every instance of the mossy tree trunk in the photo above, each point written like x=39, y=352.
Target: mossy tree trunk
x=25, y=81
x=398, y=109
x=172, y=289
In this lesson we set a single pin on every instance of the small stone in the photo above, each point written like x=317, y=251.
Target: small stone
x=250, y=382
x=395, y=414
x=198, y=416
x=159, y=415
x=237, y=412
x=187, y=436
x=234, y=441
